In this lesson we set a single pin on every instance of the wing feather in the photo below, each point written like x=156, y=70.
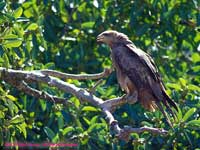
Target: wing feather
x=146, y=60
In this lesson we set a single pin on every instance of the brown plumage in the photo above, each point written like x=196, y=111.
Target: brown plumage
x=136, y=71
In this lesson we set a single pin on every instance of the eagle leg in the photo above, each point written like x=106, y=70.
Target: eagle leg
x=131, y=98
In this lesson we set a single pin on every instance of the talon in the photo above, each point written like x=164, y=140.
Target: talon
x=108, y=71
x=131, y=98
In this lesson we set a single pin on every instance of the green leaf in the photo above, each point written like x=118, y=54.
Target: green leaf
x=19, y=31
x=96, y=127
x=196, y=57
x=193, y=122
x=189, y=113
x=49, y=65
x=28, y=12
x=87, y=24
x=27, y=4
x=67, y=130
x=145, y=123
x=32, y=26
x=49, y=132
x=179, y=114
x=12, y=107
x=86, y=120
x=82, y=7
x=12, y=98
x=196, y=68
x=79, y=129
x=94, y=119
x=22, y=128
x=2, y=115
x=43, y=105
x=17, y=119
x=183, y=82
x=60, y=122
x=56, y=138
x=193, y=87
x=6, y=62
x=32, y=114
x=2, y=5
x=174, y=86
x=18, y=12
x=84, y=138
x=10, y=36
x=12, y=43
x=76, y=102
x=89, y=108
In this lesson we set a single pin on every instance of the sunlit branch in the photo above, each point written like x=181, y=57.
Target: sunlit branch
x=61, y=75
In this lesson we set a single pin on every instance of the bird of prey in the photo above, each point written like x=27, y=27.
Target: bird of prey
x=136, y=72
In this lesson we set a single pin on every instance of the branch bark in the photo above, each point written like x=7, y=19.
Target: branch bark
x=61, y=75
x=20, y=79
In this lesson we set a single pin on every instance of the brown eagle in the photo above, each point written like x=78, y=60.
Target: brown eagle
x=137, y=72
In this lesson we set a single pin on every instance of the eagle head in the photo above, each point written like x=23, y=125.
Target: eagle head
x=111, y=37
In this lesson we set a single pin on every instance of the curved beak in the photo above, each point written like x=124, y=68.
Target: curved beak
x=100, y=38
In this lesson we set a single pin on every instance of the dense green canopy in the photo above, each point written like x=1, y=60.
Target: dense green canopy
x=61, y=35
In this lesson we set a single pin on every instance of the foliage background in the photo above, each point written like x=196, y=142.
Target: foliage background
x=61, y=35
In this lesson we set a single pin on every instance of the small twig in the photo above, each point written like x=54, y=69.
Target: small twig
x=92, y=89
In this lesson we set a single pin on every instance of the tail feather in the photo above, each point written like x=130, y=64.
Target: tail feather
x=164, y=113
x=169, y=109
x=170, y=101
x=167, y=101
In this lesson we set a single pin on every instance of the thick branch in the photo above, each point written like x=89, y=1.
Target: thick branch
x=111, y=104
x=112, y=122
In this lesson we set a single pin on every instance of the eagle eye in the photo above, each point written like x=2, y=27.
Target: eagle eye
x=106, y=34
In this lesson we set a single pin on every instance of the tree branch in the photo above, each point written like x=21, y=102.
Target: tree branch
x=19, y=79
x=24, y=87
x=111, y=104
x=127, y=130
x=61, y=75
